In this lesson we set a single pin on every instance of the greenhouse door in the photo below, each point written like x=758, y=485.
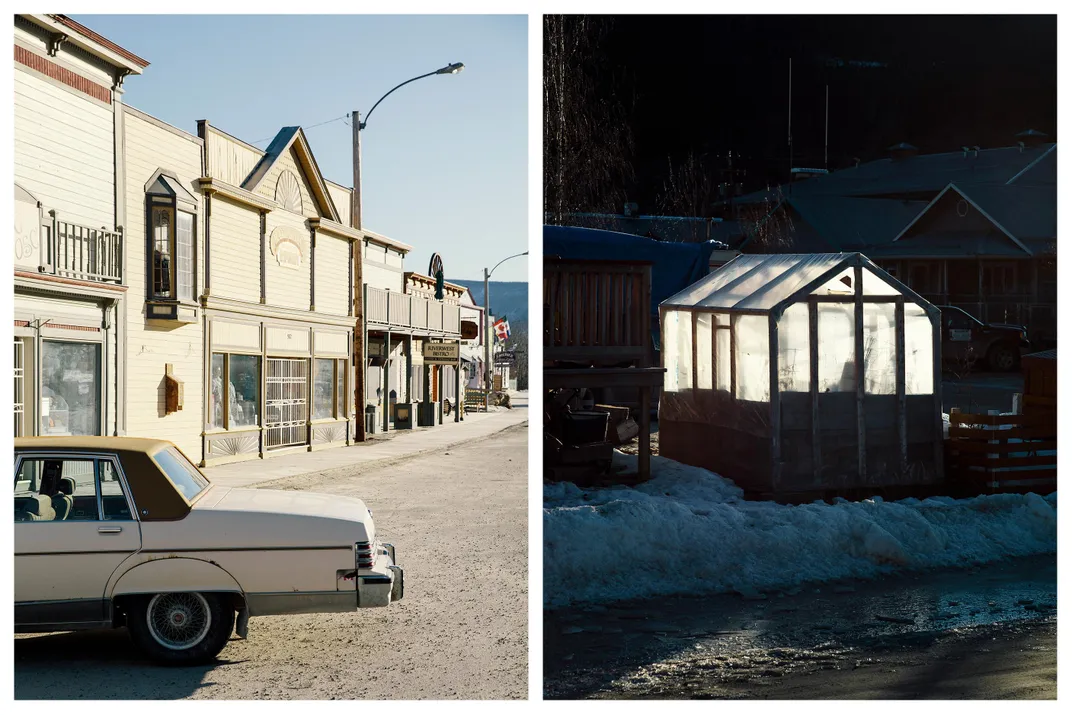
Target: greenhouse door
x=286, y=383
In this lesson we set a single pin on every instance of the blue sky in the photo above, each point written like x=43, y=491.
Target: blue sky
x=444, y=159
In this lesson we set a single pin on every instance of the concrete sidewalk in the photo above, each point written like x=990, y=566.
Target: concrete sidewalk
x=400, y=444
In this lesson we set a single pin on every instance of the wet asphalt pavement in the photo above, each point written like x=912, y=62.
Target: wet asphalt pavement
x=725, y=646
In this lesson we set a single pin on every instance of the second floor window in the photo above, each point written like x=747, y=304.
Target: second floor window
x=171, y=244
x=173, y=254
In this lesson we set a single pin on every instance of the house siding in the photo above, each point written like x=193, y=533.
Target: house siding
x=341, y=197
x=228, y=160
x=287, y=287
x=153, y=344
x=235, y=247
x=332, y=275
x=64, y=151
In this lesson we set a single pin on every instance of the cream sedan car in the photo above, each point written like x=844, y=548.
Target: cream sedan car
x=113, y=532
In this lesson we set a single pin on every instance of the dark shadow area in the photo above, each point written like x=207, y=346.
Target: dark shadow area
x=99, y=665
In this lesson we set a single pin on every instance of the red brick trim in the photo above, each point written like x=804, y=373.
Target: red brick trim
x=63, y=326
x=62, y=74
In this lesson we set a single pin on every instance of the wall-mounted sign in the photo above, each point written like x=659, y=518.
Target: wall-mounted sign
x=287, y=247
x=470, y=330
x=441, y=353
x=27, y=230
x=375, y=348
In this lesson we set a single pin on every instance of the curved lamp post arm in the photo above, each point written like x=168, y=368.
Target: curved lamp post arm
x=454, y=68
x=505, y=260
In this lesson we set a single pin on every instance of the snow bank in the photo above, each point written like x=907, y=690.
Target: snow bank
x=689, y=531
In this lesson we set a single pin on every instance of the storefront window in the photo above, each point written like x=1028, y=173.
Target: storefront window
x=70, y=388
x=323, y=387
x=238, y=406
x=340, y=389
x=245, y=377
x=215, y=407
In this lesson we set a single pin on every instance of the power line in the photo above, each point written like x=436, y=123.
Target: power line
x=311, y=126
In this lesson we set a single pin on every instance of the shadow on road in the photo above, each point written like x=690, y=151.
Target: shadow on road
x=99, y=665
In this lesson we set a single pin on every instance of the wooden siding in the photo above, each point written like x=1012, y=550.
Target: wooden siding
x=289, y=162
x=235, y=242
x=229, y=161
x=341, y=197
x=153, y=344
x=64, y=151
x=379, y=277
x=332, y=275
x=286, y=287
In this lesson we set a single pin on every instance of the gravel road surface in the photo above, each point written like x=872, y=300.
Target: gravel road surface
x=459, y=521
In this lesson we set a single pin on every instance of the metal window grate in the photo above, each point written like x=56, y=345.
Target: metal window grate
x=20, y=382
x=287, y=405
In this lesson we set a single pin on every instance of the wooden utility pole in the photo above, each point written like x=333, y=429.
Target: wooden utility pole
x=359, y=286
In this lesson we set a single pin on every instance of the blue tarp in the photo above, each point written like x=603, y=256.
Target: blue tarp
x=674, y=265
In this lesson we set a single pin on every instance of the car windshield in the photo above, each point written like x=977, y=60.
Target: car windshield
x=185, y=476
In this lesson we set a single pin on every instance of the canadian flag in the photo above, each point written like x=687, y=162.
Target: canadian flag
x=502, y=329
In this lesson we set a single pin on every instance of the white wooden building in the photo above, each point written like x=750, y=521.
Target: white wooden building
x=69, y=243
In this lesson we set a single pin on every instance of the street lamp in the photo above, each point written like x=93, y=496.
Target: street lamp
x=355, y=222
x=487, y=317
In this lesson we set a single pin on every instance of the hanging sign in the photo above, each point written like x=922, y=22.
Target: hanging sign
x=441, y=353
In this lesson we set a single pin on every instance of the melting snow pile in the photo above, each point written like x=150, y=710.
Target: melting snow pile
x=689, y=531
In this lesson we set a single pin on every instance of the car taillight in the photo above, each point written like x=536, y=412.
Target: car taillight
x=365, y=555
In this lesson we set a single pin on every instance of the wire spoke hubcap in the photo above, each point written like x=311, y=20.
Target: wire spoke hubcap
x=178, y=620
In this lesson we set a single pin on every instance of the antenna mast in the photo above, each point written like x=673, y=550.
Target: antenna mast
x=826, y=138
x=790, y=123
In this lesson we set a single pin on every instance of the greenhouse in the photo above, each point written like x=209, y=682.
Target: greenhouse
x=803, y=374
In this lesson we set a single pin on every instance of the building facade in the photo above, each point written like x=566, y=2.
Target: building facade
x=69, y=248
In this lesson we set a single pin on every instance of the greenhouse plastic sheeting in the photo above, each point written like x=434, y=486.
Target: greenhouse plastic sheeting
x=760, y=282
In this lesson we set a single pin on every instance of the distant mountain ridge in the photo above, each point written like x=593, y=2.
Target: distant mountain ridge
x=509, y=298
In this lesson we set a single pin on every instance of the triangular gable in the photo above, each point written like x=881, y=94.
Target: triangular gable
x=974, y=204
x=287, y=138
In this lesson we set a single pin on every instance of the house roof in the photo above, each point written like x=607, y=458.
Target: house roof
x=920, y=174
x=853, y=224
x=768, y=282
x=286, y=138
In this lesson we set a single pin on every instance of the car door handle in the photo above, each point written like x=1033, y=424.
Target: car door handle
x=109, y=529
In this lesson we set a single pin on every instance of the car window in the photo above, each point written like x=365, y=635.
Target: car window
x=56, y=489
x=955, y=318
x=185, y=476
x=113, y=497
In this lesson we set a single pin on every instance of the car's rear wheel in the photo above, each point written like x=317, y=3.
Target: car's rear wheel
x=181, y=628
x=1002, y=357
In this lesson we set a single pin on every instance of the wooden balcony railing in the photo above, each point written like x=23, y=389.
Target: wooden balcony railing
x=597, y=311
x=75, y=251
x=392, y=309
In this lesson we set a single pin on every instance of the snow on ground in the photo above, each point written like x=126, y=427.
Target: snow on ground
x=689, y=531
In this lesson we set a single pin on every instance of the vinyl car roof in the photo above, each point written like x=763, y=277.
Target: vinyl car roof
x=94, y=444
x=155, y=497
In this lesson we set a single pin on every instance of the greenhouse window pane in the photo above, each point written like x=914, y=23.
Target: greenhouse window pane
x=722, y=359
x=794, y=356
x=919, y=351
x=837, y=352
x=752, y=333
x=880, y=348
x=704, y=366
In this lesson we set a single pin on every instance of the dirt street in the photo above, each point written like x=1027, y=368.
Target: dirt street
x=459, y=521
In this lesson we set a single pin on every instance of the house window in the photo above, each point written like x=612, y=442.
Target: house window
x=171, y=250
x=234, y=395
x=999, y=279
